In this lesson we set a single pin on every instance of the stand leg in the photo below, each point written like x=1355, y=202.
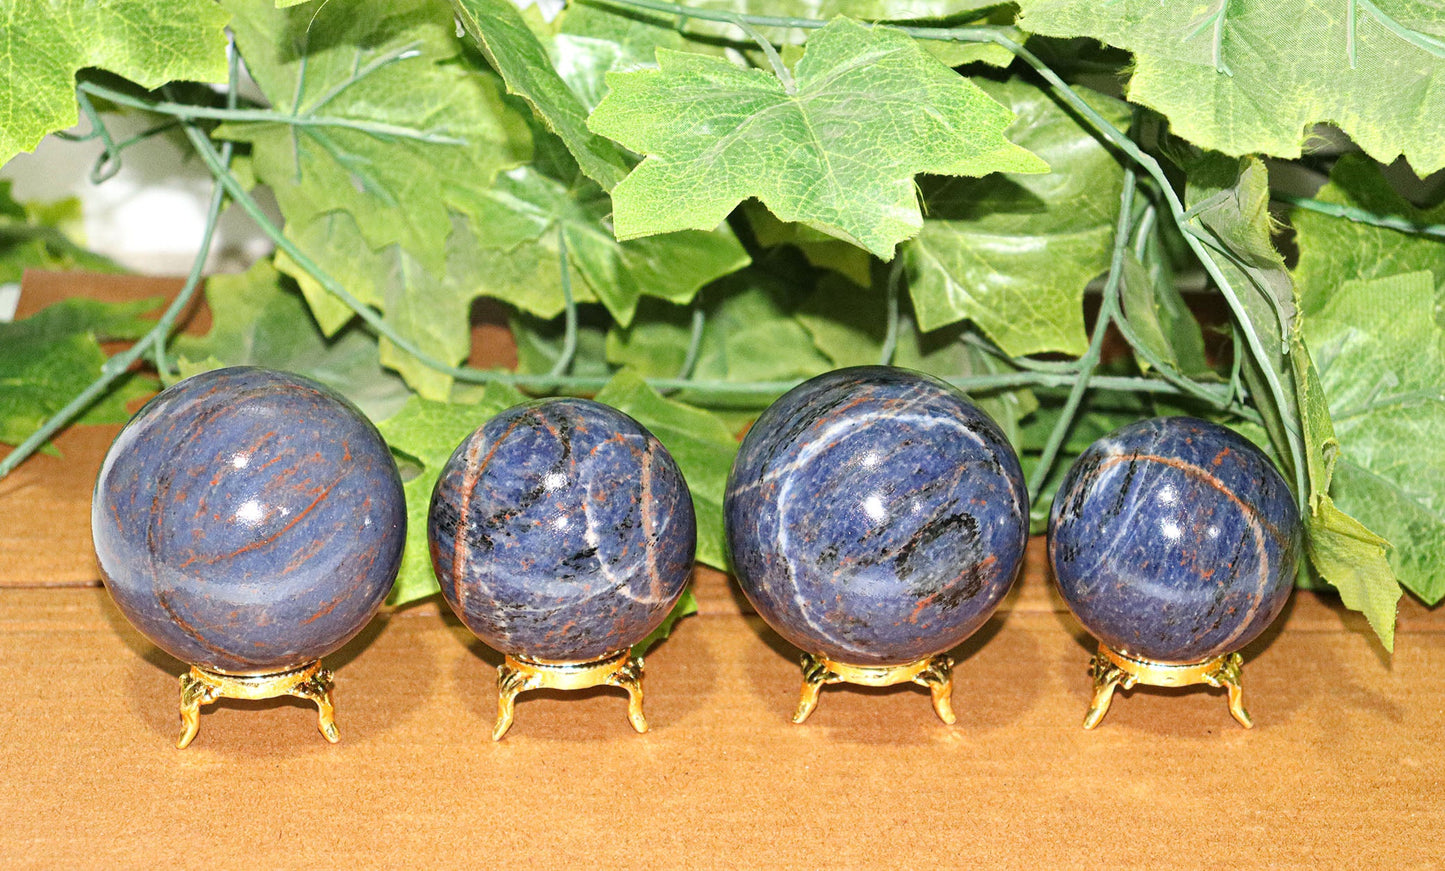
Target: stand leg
x=938, y=677
x=815, y=674
x=1107, y=676
x=1229, y=676
x=317, y=688
x=629, y=678
x=194, y=693
x=510, y=682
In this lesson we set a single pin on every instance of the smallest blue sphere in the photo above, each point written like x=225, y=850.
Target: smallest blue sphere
x=561, y=530
x=1174, y=540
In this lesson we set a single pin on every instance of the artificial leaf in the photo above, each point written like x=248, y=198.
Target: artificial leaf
x=51, y=357
x=820, y=249
x=750, y=333
x=1365, y=298
x=427, y=307
x=522, y=264
x=699, y=442
x=44, y=44
x=1250, y=77
x=848, y=324
x=517, y=55
x=259, y=319
x=1228, y=200
x=835, y=146
x=1014, y=253
x=1355, y=562
x=1334, y=250
x=1162, y=320
x=39, y=236
x=1380, y=355
x=389, y=128
x=596, y=40
x=427, y=432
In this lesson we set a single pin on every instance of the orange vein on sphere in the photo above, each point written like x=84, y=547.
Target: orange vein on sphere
x=270, y=538
x=195, y=635
x=330, y=606
x=1257, y=524
x=461, y=550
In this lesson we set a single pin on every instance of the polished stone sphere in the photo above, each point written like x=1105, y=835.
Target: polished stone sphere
x=561, y=530
x=248, y=521
x=875, y=516
x=1174, y=540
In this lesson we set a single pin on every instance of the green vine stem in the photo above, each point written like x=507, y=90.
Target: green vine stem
x=186, y=112
x=569, y=336
x=1361, y=216
x=1108, y=313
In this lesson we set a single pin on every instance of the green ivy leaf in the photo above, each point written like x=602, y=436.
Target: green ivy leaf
x=1355, y=561
x=1381, y=360
x=37, y=236
x=150, y=42
x=1162, y=320
x=836, y=148
x=426, y=432
x=434, y=128
x=521, y=60
x=259, y=319
x=1229, y=201
x=428, y=307
x=911, y=11
x=699, y=442
x=521, y=264
x=595, y=40
x=1246, y=78
x=1014, y=253
x=820, y=249
x=1358, y=284
x=51, y=357
x=1334, y=250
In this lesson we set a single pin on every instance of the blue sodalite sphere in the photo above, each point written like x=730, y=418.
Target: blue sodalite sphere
x=1174, y=540
x=248, y=521
x=875, y=516
x=561, y=530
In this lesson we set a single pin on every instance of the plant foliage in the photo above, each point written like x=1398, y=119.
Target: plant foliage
x=686, y=209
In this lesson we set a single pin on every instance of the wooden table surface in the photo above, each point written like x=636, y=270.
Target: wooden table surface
x=1345, y=765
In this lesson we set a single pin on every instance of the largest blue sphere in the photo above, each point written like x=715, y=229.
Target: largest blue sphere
x=561, y=530
x=1174, y=540
x=875, y=516
x=248, y=521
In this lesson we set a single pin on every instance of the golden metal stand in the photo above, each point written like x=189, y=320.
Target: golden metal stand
x=1113, y=669
x=517, y=674
x=934, y=672
x=202, y=687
